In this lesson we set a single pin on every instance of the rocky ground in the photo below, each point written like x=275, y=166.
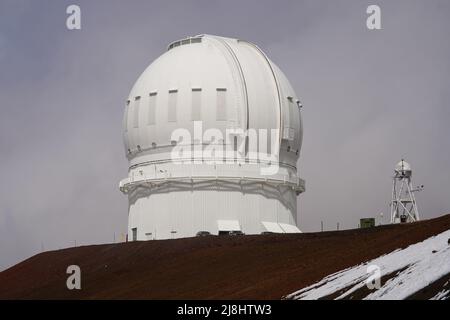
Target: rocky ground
x=225, y=267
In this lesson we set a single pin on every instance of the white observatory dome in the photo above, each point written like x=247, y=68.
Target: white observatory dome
x=215, y=84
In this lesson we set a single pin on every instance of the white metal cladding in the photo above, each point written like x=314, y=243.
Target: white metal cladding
x=182, y=213
x=289, y=228
x=225, y=83
x=272, y=227
x=228, y=225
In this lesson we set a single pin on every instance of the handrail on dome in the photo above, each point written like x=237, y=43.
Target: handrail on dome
x=128, y=184
x=189, y=40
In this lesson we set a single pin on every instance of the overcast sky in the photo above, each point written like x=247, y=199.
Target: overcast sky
x=370, y=98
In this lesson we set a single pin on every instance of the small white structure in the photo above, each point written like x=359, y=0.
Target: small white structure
x=209, y=180
x=403, y=204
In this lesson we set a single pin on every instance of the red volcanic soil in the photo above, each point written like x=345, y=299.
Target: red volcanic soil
x=225, y=267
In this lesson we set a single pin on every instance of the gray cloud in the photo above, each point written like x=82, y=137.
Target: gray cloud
x=371, y=97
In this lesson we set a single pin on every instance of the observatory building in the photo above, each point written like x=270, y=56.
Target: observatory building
x=212, y=132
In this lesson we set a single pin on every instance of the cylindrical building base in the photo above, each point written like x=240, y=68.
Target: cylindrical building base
x=177, y=210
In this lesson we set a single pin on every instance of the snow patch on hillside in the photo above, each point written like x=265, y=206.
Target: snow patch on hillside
x=408, y=270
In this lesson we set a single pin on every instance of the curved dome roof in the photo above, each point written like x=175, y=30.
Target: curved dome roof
x=223, y=82
x=403, y=167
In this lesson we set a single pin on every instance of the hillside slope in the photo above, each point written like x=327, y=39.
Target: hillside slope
x=402, y=273
x=240, y=267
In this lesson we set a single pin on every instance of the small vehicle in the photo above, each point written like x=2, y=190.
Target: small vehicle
x=236, y=233
x=203, y=233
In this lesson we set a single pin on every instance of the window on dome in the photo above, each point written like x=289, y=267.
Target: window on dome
x=151, y=108
x=221, y=111
x=137, y=102
x=291, y=112
x=196, y=104
x=125, y=116
x=172, y=110
x=289, y=123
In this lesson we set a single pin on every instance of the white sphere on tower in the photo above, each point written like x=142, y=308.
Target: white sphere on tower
x=403, y=168
x=403, y=203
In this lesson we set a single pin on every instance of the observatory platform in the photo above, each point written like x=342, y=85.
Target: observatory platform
x=212, y=132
